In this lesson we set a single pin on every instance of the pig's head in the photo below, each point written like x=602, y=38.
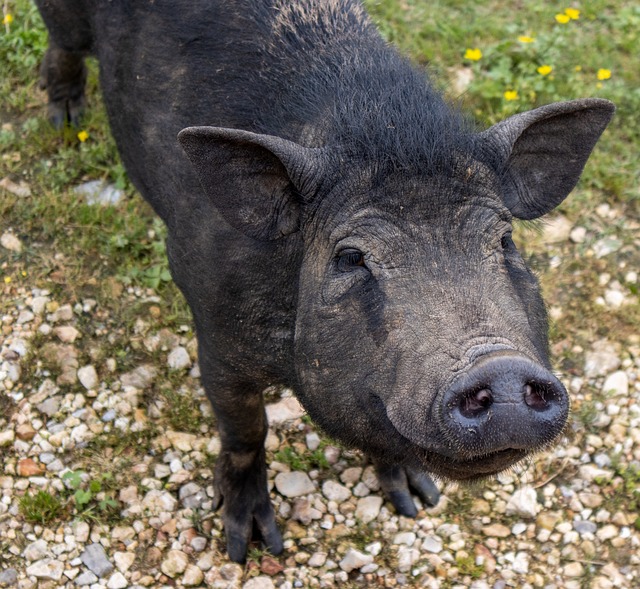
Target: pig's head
x=421, y=336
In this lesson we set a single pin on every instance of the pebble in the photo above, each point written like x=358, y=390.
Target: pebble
x=88, y=377
x=287, y=409
x=117, y=581
x=524, y=503
x=46, y=569
x=261, y=582
x=10, y=242
x=178, y=359
x=616, y=384
x=175, y=563
x=66, y=333
x=557, y=229
x=95, y=559
x=312, y=439
x=601, y=360
x=36, y=550
x=432, y=544
x=124, y=560
x=193, y=576
x=573, y=570
x=368, y=508
x=8, y=577
x=294, y=484
x=354, y=559
x=99, y=192
x=334, y=491
x=496, y=531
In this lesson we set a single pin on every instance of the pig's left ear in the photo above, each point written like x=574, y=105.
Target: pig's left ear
x=257, y=182
x=542, y=152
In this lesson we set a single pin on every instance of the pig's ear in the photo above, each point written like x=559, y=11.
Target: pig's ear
x=542, y=152
x=257, y=182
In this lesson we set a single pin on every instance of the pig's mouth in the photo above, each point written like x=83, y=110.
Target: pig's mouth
x=475, y=468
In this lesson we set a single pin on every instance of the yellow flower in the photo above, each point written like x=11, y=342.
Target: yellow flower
x=511, y=95
x=8, y=19
x=83, y=136
x=578, y=68
x=563, y=19
x=545, y=70
x=525, y=39
x=603, y=74
x=572, y=13
x=473, y=54
x=7, y=279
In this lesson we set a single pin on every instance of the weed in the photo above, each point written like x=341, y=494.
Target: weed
x=92, y=497
x=302, y=461
x=183, y=411
x=467, y=566
x=41, y=508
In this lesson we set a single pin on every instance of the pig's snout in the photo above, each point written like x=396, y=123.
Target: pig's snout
x=505, y=401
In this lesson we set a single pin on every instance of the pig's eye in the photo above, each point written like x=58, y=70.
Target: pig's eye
x=349, y=259
x=507, y=242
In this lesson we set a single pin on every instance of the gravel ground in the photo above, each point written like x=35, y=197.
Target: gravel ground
x=71, y=404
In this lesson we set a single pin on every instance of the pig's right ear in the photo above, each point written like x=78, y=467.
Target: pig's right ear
x=257, y=182
x=542, y=152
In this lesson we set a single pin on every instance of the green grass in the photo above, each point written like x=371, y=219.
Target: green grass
x=41, y=508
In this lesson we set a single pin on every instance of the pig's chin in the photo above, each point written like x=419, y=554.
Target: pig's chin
x=476, y=468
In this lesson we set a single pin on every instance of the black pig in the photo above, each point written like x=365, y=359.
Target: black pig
x=335, y=227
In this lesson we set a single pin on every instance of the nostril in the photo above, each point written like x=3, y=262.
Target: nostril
x=476, y=402
x=536, y=396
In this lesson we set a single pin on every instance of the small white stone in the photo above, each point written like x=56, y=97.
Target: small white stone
x=294, y=484
x=82, y=530
x=193, y=576
x=616, y=383
x=11, y=242
x=88, y=377
x=407, y=538
x=124, y=560
x=36, y=550
x=601, y=360
x=432, y=544
x=46, y=569
x=66, y=333
x=524, y=502
x=407, y=557
x=261, y=582
x=614, y=298
x=317, y=559
x=7, y=437
x=179, y=359
x=354, y=559
x=334, y=491
x=368, y=508
x=557, y=229
x=117, y=581
x=578, y=235
x=175, y=563
x=284, y=410
x=313, y=441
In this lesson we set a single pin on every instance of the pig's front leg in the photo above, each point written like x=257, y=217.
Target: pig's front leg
x=240, y=479
x=398, y=482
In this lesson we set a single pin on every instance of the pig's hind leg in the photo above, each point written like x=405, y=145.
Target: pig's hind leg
x=398, y=482
x=63, y=73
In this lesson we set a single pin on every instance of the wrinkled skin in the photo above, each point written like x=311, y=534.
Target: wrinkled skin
x=334, y=227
